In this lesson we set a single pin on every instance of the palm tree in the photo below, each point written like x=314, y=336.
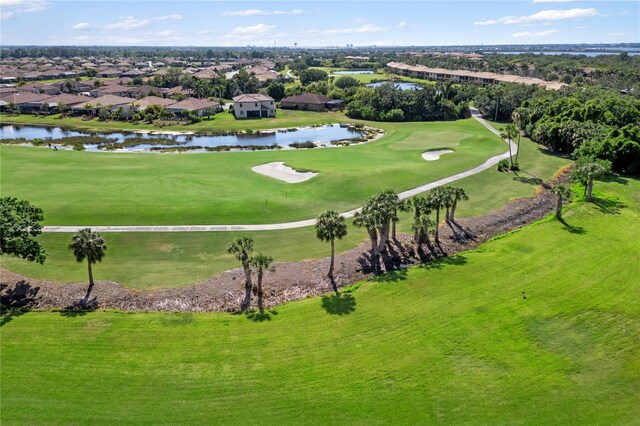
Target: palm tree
x=420, y=227
x=587, y=170
x=89, y=245
x=516, y=116
x=329, y=226
x=563, y=192
x=242, y=248
x=508, y=133
x=263, y=264
x=436, y=199
x=368, y=220
x=421, y=207
x=447, y=201
x=457, y=194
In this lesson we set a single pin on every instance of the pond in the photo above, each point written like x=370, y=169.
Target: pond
x=347, y=72
x=153, y=141
x=402, y=85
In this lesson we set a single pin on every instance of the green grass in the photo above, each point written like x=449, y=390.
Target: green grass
x=149, y=260
x=83, y=188
x=379, y=75
x=454, y=343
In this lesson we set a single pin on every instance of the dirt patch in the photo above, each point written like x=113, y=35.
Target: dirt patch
x=291, y=280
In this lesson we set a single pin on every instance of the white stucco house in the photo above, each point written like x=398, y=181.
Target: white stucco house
x=253, y=105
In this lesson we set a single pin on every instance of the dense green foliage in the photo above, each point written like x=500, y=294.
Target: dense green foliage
x=450, y=343
x=312, y=75
x=19, y=225
x=389, y=103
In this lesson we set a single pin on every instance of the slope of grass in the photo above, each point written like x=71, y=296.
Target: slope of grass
x=148, y=260
x=84, y=188
x=452, y=343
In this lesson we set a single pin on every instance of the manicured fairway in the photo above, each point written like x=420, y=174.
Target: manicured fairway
x=146, y=260
x=82, y=188
x=454, y=343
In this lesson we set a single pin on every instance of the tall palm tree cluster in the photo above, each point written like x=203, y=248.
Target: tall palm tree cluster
x=242, y=247
x=380, y=214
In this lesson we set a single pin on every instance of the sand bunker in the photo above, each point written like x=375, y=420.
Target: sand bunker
x=435, y=155
x=284, y=173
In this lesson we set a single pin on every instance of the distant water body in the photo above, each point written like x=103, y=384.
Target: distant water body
x=588, y=54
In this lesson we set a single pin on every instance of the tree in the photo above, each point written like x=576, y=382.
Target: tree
x=588, y=169
x=346, y=81
x=422, y=210
x=262, y=264
x=458, y=194
x=329, y=226
x=19, y=225
x=436, y=198
x=311, y=75
x=508, y=133
x=242, y=248
x=89, y=245
x=516, y=117
x=63, y=109
x=563, y=192
x=367, y=219
x=276, y=90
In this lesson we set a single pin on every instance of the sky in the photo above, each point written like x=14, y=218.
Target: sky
x=313, y=23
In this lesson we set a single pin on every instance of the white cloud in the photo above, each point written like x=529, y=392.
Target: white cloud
x=543, y=15
x=10, y=8
x=168, y=18
x=538, y=34
x=128, y=23
x=581, y=27
x=259, y=12
x=82, y=26
x=254, y=29
x=402, y=24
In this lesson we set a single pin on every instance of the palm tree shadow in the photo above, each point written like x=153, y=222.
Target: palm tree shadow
x=530, y=179
x=339, y=303
x=16, y=301
x=260, y=315
x=579, y=230
x=391, y=276
x=440, y=263
x=80, y=308
x=608, y=206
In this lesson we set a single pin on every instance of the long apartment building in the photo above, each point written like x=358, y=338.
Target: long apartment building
x=462, y=76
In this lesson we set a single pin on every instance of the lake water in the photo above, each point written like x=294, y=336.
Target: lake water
x=588, y=54
x=352, y=72
x=402, y=85
x=318, y=135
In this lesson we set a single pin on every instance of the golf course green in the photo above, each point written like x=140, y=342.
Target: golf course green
x=151, y=260
x=454, y=342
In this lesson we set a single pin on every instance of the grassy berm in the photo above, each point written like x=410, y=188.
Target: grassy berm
x=454, y=342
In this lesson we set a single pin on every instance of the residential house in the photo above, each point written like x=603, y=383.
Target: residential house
x=199, y=106
x=109, y=102
x=26, y=101
x=143, y=103
x=253, y=105
x=311, y=102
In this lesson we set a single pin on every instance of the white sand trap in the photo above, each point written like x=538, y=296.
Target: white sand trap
x=435, y=155
x=284, y=173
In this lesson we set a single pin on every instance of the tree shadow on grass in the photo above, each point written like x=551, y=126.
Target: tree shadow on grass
x=16, y=301
x=391, y=276
x=608, y=206
x=80, y=308
x=579, y=230
x=260, y=315
x=339, y=304
x=457, y=260
x=529, y=179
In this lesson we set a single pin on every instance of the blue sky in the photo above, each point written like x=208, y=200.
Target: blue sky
x=311, y=23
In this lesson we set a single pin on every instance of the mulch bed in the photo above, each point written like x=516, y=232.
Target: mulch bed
x=290, y=281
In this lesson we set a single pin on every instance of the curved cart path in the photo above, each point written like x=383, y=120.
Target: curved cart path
x=301, y=223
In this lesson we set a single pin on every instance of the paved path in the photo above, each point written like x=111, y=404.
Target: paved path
x=301, y=223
